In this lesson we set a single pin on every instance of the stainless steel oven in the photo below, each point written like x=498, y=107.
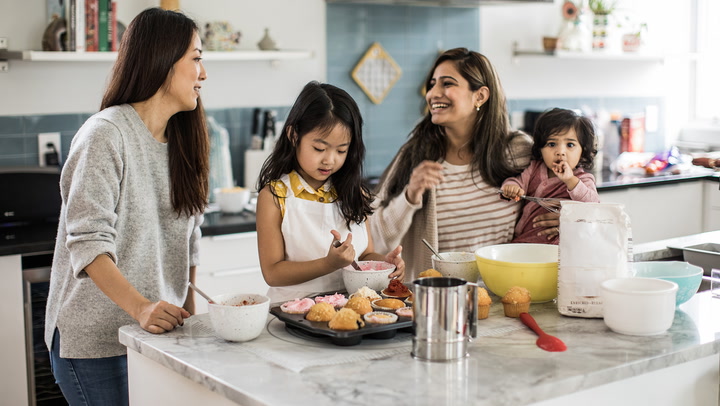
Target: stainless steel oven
x=36, y=284
x=29, y=211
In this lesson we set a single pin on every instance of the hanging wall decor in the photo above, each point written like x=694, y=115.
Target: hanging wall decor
x=376, y=73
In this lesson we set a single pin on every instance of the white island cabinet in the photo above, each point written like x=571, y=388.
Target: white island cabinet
x=504, y=367
x=228, y=264
x=711, y=207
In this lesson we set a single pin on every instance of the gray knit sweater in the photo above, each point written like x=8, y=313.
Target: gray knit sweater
x=115, y=199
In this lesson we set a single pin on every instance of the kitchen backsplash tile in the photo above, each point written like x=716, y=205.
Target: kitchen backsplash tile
x=386, y=125
x=18, y=134
x=412, y=36
x=52, y=123
x=11, y=125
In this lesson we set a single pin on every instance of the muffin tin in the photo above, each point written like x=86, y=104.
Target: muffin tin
x=337, y=337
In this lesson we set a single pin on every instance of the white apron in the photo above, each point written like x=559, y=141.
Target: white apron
x=306, y=229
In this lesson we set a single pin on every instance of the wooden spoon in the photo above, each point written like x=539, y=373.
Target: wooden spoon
x=544, y=341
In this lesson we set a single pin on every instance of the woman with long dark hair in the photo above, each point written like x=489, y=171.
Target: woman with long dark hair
x=133, y=188
x=442, y=184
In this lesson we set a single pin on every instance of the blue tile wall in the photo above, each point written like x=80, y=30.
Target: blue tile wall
x=18, y=134
x=412, y=36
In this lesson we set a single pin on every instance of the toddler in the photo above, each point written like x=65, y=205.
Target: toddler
x=564, y=145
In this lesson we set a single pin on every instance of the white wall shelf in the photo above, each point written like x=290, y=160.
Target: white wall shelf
x=249, y=55
x=592, y=56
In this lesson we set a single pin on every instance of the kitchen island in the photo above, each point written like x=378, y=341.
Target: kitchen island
x=505, y=367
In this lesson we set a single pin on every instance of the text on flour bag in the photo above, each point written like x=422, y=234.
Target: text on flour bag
x=595, y=245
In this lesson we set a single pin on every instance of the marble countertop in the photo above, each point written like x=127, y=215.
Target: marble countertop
x=658, y=250
x=504, y=366
x=616, y=181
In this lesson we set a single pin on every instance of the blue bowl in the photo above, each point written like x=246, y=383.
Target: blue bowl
x=688, y=277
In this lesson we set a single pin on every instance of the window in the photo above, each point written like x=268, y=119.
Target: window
x=707, y=79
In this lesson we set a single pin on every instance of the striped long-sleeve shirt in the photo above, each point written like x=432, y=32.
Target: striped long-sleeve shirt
x=401, y=222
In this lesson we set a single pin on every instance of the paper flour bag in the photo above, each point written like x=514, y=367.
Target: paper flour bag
x=595, y=245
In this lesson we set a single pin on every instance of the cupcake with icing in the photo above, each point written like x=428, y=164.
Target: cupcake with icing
x=396, y=290
x=367, y=293
x=380, y=318
x=337, y=300
x=297, y=306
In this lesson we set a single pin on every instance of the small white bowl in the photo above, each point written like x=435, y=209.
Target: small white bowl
x=233, y=199
x=233, y=321
x=375, y=275
x=459, y=264
x=638, y=306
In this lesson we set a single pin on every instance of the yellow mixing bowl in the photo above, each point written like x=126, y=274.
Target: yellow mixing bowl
x=532, y=266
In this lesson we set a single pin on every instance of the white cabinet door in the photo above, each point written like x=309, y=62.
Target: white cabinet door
x=711, y=209
x=661, y=212
x=222, y=252
x=228, y=264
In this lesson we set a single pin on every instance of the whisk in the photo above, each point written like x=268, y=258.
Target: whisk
x=548, y=203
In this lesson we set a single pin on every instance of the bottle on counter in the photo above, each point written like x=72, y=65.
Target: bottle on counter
x=256, y=141
x=611, y=145
x=269, y=130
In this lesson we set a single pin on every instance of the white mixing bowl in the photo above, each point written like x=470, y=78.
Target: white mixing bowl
x=638, y=306
x=234, y=321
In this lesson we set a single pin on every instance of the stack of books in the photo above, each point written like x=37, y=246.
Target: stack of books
x=91, y=25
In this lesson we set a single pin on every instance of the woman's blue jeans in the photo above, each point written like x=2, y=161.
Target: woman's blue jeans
x=94, y=381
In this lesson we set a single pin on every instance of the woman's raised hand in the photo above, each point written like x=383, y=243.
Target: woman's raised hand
x=394, y=258
x=425, y=176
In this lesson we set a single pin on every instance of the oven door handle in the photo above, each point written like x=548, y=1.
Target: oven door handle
x=37, y=275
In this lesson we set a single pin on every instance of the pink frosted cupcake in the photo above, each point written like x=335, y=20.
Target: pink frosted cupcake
x=297, y=306
x=405, y=312
x=337, y=300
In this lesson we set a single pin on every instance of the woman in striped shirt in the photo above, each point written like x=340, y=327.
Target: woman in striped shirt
x=442, y=185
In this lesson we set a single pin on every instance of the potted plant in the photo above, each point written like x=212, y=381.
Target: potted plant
x=632, y=41
x=602, y=7
x=602, y=10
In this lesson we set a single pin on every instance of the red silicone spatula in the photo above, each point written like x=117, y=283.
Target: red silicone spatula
x=544, y=341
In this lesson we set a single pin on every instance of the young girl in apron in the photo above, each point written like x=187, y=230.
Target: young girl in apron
x=312, y=194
